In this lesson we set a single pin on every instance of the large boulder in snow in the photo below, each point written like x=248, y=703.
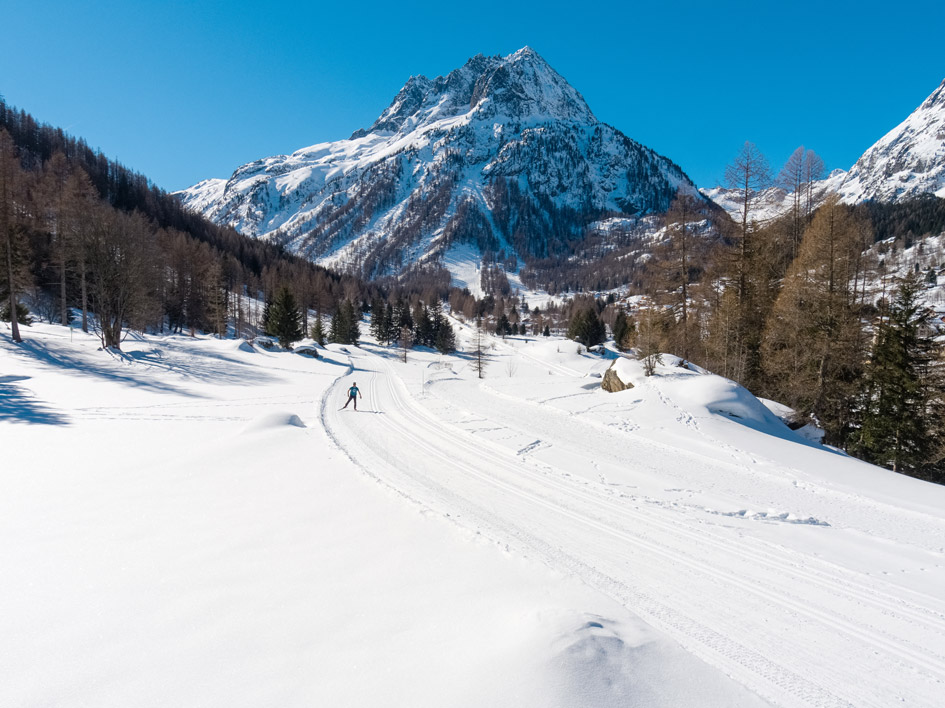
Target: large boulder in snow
x=612, y=381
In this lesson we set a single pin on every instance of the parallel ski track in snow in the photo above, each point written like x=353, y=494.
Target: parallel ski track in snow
x=663, y=577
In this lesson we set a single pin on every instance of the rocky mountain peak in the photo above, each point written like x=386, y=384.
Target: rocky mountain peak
x=500, y=161
x=519, y=86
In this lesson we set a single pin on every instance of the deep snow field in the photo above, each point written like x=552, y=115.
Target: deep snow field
x=193, y=522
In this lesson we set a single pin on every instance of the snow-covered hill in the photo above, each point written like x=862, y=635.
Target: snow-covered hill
x=500, y=155
x=193, y=522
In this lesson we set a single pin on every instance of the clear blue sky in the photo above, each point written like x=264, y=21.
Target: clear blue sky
x=182, y=91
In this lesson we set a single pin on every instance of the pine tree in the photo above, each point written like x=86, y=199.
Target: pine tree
x=390, y=331
x=621, y=329
x=337, y=328
x=445, y=338
x=378, y=325
x=587, y=327
x=284, y=319
x=423, y=326
x=352, y=319
x=345, y=324
x=903, y=390
x=503, y=327
x=318, y=331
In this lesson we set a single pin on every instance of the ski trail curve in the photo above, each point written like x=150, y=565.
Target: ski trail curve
x=661, y=565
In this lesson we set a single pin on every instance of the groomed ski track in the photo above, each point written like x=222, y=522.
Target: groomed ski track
x=794, y=629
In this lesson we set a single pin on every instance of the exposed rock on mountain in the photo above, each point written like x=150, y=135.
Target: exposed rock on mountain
x=501, y=157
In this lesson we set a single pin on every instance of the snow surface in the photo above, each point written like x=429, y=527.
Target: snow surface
x=194, y=522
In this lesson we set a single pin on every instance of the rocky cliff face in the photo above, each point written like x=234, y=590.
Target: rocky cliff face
x=501, y=156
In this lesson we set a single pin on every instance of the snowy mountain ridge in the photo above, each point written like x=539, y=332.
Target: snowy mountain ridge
x=906, y=163
x=501, y=155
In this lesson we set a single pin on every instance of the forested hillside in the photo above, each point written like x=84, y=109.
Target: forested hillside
x=78, y=230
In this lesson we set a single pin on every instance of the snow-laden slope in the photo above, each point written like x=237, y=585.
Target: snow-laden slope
x=195, y=523
x=906, y=162
x=501, y=154
x=773, y=202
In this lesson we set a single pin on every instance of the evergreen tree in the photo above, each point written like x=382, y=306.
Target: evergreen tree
x=284, y=319
x=445, y=338
x=423, y=326
x=503, y=327
x=390, y=328
x=22, y=314
x=337, y=328
x=318, y=331
x=621, y=329
x=352, y=318
x=903, y=390
x=587, y=327
x=378, y=325
x=345, y=324
x=400, y=319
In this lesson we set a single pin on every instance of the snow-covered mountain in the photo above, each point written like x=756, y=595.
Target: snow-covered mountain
x=907, y=162
x=501, y=155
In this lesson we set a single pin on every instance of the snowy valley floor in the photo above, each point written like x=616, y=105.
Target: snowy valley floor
x=193, y=522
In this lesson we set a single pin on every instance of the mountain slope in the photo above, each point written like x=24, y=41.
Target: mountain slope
x=501, y=154
x=907, y=162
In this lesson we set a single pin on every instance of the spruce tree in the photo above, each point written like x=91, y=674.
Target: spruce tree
x=503, y=327
x=352, y=319
x=378, y=325
x=587, y=328
x=445, y=338
x=390, y=331
x=903, y=389
x=621, y=329
x=284, y=320
x=337, y=328
x=318, y=331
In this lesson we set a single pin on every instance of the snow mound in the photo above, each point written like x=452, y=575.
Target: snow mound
x=703, y=394
x=274, y=421
x=241, y=345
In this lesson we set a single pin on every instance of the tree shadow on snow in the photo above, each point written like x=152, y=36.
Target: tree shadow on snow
x=112, y=369
x=18, y=405
x=208, y=366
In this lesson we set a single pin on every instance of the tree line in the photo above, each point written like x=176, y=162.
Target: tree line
x=80, y=233
x=803, y=309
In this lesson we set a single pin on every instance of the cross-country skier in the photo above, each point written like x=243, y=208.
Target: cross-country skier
x=353, y=394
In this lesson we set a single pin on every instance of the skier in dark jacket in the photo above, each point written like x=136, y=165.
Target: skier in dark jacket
x=353, y=394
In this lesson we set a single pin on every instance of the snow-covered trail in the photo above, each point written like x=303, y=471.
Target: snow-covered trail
x=795, y=629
